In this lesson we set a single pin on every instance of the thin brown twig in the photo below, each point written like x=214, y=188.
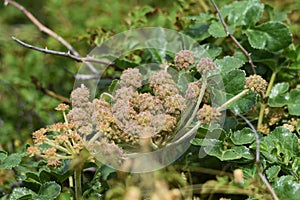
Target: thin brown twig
x=257, y=158
x=64, y=54
x=48, y=31
x=245, y=52
x=50, y=93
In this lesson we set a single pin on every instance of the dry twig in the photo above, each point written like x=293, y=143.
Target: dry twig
x=245, y=52
x=50, y=93
x=257, y=158
x=64, y=54
x=48, y=31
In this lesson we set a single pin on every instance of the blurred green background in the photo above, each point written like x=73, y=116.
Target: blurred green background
x=85, y=24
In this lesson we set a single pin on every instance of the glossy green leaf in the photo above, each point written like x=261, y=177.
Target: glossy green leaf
x=11, y=161
x=287, y=187
x=279, y=146
x=245, y=13
x=234, y=81
x=241, y=137
x=234, y=153
x=228, y=63
x=271, y=36
x=294, y=102
x=21, y=192
x=273, y=172
x=279, y=96
x=49, y=190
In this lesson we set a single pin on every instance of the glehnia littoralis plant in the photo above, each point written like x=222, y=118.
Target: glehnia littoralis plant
x=145, y=114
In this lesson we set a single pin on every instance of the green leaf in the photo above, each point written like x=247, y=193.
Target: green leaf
x=21, y=192
x=234, y=81
x=198, y=31
x=278, y=96
x=294, y=102
x=113, y=85
x=273, y=172
x=228, y=63
x=216, y=29
x=214, y=147
x=11, y=161
x=241, y=137
x=280, y=146
x=49, y=190
x=271, y=36
x=234, y=153
x=212, y=50
x=245, y=13
x=286, y=187
x=3, y=155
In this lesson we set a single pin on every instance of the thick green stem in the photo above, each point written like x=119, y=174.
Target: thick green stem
x=271, y=83
x=261, y=115
x=233, y=99
x=263, y=105
x=77, y=175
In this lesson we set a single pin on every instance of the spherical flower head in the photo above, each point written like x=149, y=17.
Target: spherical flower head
x=164, y=123
x=193, y=90
x=174, y=104
x=205, y=65
x=125, y=93
x=160, y=78
x=147, y=102
x=80, y=96
x=256, y=83
x=183, y=59
x=131, y=77
x=166, y=90
x=207, y=114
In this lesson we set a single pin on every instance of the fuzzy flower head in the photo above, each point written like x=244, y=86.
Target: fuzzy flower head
x=205, y=65
x=193, y=90
x=183, y=59
x=160, y=78
x=207, y=114
x=131, y=78
x=80, y=96
x=256, y=83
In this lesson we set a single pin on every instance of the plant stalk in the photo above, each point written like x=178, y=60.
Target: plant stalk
x=78, y=189
x=233, y=99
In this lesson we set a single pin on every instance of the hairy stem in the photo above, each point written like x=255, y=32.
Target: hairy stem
x=233, y=99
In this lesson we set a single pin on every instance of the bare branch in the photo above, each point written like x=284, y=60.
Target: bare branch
x=50, y=93
x=257, y=158
x=48, y=31
x=245, y=52
x=64, y=54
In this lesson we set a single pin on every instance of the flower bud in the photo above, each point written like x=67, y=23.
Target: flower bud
x=256, y=83
x=183, y=59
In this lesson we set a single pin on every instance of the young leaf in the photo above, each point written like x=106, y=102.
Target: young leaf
x=294, y=102
x=273, y=172
x=21, y=192
x=11, y=161
x=49, y=190
x=241, y=137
